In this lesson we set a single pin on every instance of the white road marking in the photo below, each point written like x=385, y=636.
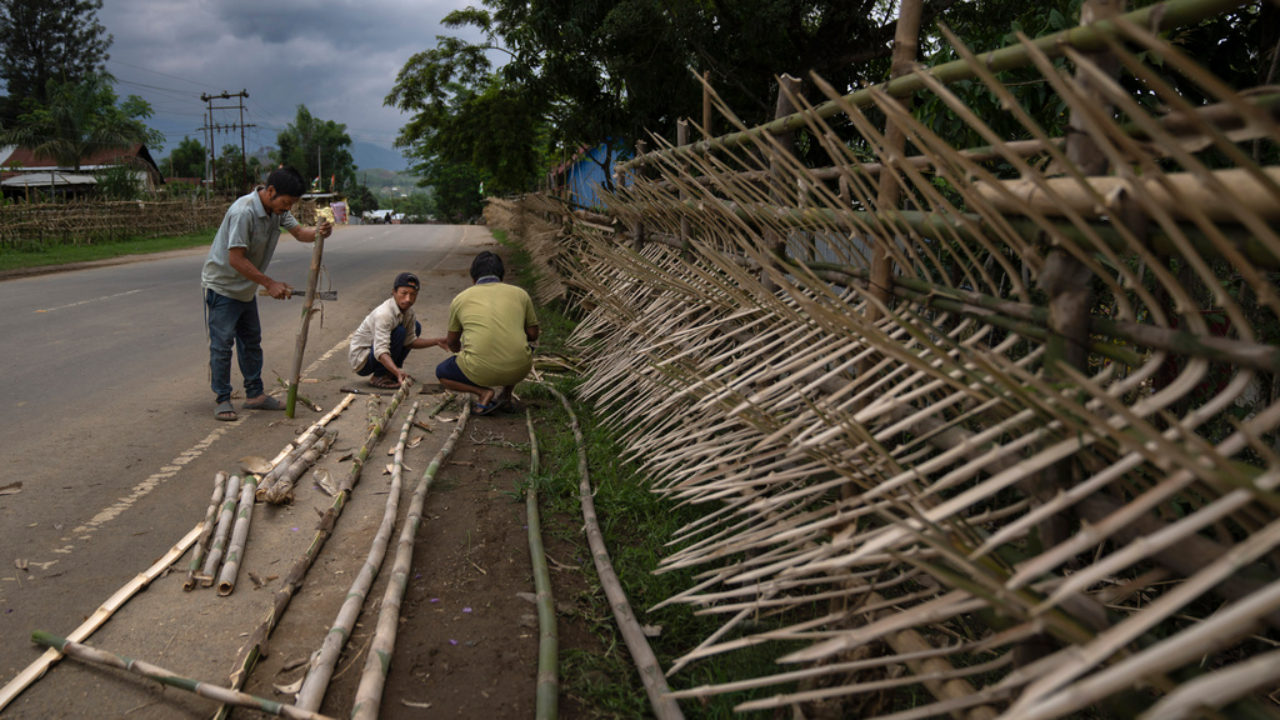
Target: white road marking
x=86, y=302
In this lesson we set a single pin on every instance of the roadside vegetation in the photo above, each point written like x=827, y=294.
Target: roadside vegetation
x=636, y=524
x=42, y=255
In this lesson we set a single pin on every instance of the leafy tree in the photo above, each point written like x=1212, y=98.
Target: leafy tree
x=47, y=40
x=82, y=118
x=318, y=149
x=361, y=200
x=186, y=160
x=118, y=182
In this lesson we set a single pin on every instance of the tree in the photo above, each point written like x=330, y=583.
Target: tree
x=82, y=118
x=318, y=149
x=186, y=160
x=361, y=200
x=47, y=40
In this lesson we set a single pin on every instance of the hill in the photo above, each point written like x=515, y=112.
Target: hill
x=368, y=156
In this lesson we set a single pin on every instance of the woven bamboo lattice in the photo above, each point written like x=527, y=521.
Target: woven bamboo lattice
x=1037, y=473
x=85, y=223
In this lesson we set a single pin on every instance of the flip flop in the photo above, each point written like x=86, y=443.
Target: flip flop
x=223, y=408
x=479, y=409
x=269, y=403
x=383, y=383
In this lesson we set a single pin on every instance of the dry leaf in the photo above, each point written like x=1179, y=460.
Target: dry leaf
x=389, y=469
x=325, y=482
x=290, y=689
x=391, y=450
x=415, y=442
x=651, y=630
x=255, y=465
x=20, y=564
x=446, y=418
x=407, y=703
x=346, y=457
x=11, y=488
x=257, y=581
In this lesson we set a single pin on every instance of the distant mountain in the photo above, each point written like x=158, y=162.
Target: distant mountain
x=368, y=156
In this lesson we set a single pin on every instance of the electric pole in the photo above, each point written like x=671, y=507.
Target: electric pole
x=230, y=127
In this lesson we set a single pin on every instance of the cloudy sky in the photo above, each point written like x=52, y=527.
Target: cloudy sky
x=337, y=57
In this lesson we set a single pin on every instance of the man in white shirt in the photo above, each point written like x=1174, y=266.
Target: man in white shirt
x=381, y=344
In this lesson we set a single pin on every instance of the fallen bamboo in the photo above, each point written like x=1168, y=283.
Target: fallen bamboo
x=169, y=678
x=547, y=703
x=278, y=469
x=378, y=661
x=317, y=681
x=317, y=253
x=655, y=683
x=248, y=656
x=225, y=521
x=282, y=491
x=197, y=557
x=239, y=535
x=104, y=612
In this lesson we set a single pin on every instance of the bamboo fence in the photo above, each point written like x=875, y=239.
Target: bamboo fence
x=87, y=223
x=1008, y=443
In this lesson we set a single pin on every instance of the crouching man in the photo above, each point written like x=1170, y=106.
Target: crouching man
x=381, y=344
x=490, y=327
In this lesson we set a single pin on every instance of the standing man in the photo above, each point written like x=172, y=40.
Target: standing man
x=490, y=327
x=381, y=344
x=236, y=266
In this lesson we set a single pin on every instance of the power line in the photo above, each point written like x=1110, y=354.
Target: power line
x=155, y=72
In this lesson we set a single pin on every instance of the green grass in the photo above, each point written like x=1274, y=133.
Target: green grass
x=44, y=255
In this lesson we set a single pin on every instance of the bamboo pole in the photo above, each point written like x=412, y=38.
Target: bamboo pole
x=282, y=491
x=225, y=521
x=197, y=557
x=239, y=535
x=304, y=443
x=249, y=653
x=547, y=704
x=35, y=670
x=317, y=252
x=655, y=682
x=171, y=679
x=316, y=683
x=378, y=661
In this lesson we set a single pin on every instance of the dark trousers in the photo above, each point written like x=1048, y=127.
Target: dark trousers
x=233, y=323
x=398, y=351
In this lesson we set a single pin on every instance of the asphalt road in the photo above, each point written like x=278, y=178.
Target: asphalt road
x=106, y=416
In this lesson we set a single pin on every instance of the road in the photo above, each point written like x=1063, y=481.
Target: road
x=107, y=416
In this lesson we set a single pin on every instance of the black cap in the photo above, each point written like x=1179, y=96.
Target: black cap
x=406, y=280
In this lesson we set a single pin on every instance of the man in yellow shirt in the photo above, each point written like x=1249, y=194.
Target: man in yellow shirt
x=490, y=327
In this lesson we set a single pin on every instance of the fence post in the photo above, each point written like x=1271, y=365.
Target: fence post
x=637, y=230
x=777, y=244
x=686, y=248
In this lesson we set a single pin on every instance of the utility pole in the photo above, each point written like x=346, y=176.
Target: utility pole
x=213, y=127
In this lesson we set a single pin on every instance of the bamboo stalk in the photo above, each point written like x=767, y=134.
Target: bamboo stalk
x=317, y=252
x=655, y=683
x=304, y=443
x=316, y=683
x=225, y=521
x=378, y=662
x=282, y=491
x=210, y=516
x=169, y=678
x=547, y=704
x=255, y=647
x=37, y=669
x=239, y=536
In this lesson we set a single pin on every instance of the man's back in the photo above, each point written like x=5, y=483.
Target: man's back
x=492, y=318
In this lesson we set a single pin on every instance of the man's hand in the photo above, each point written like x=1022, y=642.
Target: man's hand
x=278, y=290
x=324, y=229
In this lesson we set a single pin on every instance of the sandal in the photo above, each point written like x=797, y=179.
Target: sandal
x=268, y=403
x=385, y=383
x=479, y=409
x=225, y=411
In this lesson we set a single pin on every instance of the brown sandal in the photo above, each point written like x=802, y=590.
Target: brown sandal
x=385, y=383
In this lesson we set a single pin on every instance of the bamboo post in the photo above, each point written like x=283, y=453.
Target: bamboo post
x=197, y=557
x=905, y=44
x=655, y=682
x=169, y=678
x=35, y=670
x=317, y=252
x=378, y=661
x=282, y=491
x=547, y=703
x=706, y=105
x=249, y=653
x=317, y=681
x=225, y=521
x=239, y=535
x=776, y=244
x=637, y=230
x=686, y=248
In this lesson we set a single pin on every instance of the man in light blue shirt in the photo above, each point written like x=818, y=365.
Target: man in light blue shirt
x=236, y=266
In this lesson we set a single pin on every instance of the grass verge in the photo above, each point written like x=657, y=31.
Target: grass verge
x=636, y=524
x=44, y=255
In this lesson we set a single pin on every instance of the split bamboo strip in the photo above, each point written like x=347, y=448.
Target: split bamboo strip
x=210, y=517
x=35, y=670
x=655, y=682
x=239, y=536
x=225, y=521
x=317, y=681
x=169, y=678
x=547, y=704
x=378, y=662
x=249, y=653
x=282, y=491
x=317, y=253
